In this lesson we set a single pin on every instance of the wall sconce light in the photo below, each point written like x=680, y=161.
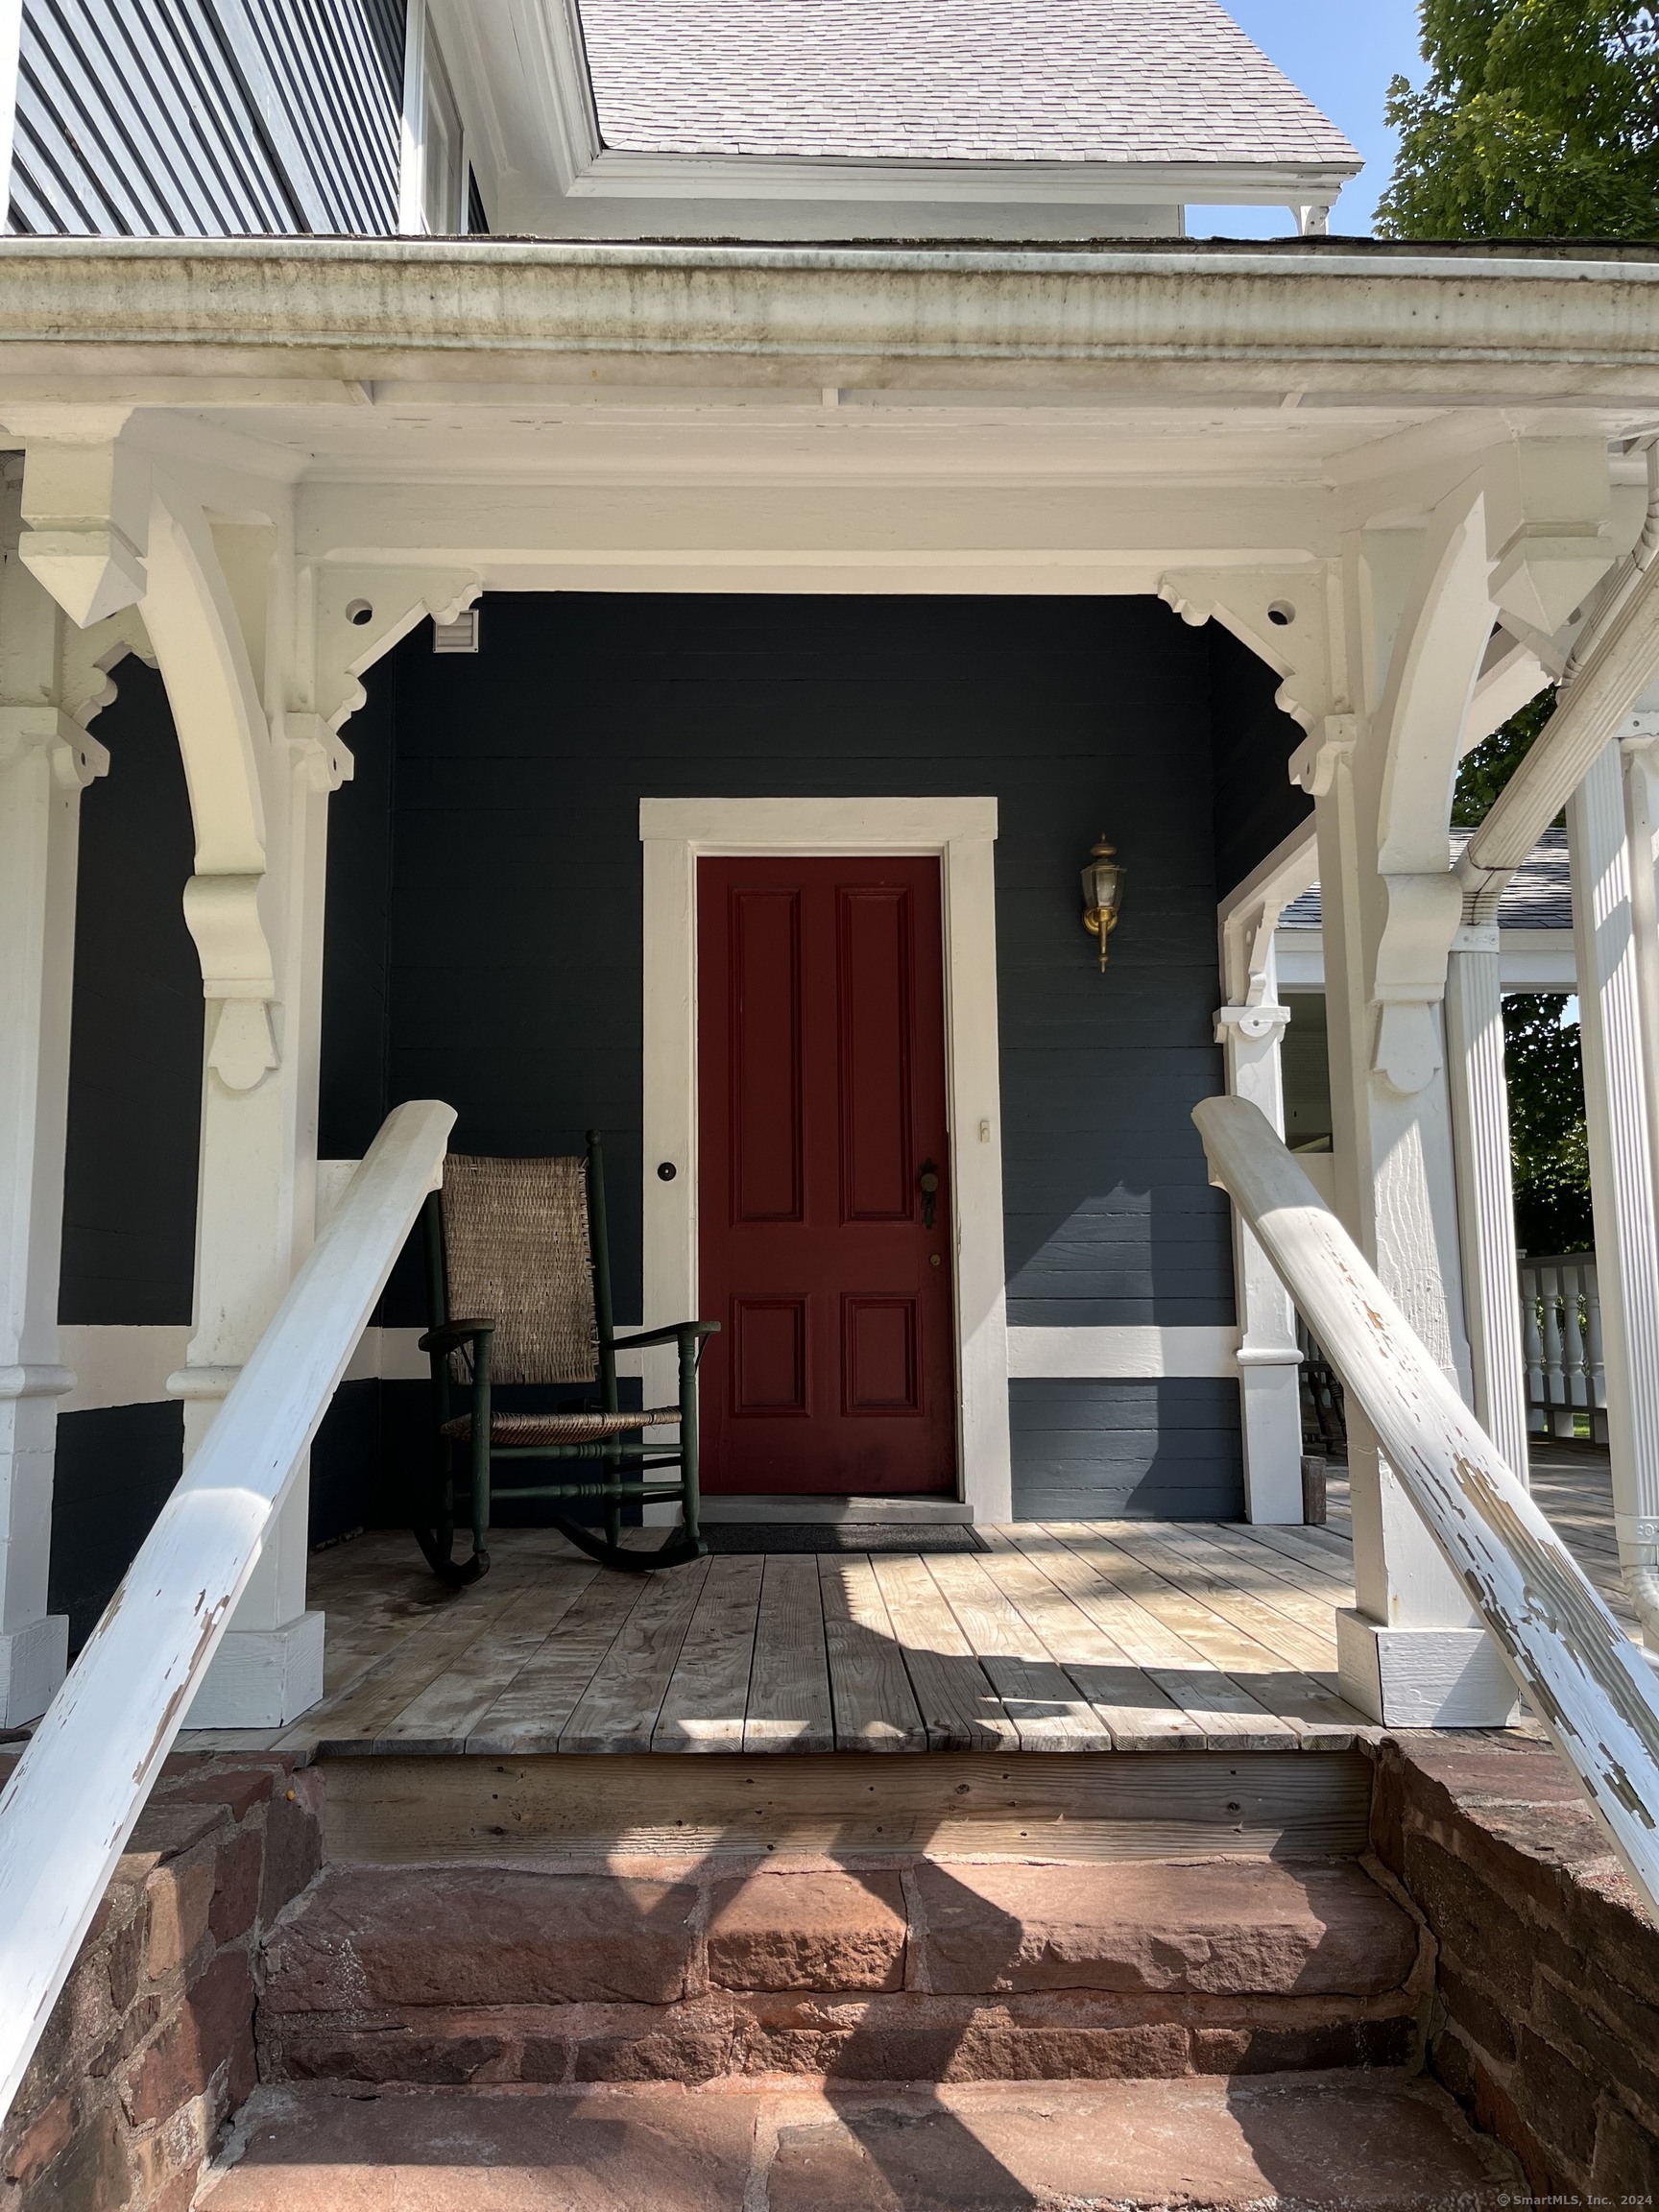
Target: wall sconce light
x=1102, y=894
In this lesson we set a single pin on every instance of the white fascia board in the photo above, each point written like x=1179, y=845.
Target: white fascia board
x=619, y=176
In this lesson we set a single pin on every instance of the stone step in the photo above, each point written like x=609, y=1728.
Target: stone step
x=1368, y=2143
x=924, y=1970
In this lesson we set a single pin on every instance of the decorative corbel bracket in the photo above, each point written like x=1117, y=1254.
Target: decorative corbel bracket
x=85, y=508
x=1420, y=917
x=77, y=760
x=319, y=754
x=1281, y=613
x=221, y=913
x=1547, y=527
x=1328, y=747
x=88, y=655
x=1255, y=1022
x=362, y=612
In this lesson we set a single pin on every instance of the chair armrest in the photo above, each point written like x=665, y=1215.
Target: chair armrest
x=673, y=1332
x=454, y=1332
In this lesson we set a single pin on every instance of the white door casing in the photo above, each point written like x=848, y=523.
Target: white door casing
x=675, y=833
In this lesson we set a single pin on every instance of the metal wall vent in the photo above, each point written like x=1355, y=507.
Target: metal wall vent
x=458, y=637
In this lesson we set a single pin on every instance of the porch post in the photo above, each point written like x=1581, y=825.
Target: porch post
x=254, y=908
x=46, y=759
x=1418, y=620
x=1269, y=1361
x=1612, y=897
x=1486, y=1190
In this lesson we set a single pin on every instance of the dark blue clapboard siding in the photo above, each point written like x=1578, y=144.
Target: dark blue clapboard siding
x=135, y=1033
x=115, y=1470
x=1086, y=1451
x=510, y=965
x=1257, y=806
x=203, y=118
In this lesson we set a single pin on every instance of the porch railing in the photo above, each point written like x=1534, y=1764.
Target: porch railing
x=1587, y=1682
x=84, y=1778
x=1561, y=1337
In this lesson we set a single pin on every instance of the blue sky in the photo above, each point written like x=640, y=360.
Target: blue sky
x=1342, y=52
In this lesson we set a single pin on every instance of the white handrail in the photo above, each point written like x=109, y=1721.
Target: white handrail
x=1587, y=1682
x=82, y=1781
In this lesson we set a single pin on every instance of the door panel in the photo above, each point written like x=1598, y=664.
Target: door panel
x=821, y=1112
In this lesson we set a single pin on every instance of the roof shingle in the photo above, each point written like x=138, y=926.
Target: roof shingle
x=1107, y=81
x=1538, y=896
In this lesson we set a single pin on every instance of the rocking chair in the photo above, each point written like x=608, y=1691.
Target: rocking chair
x=521, y=1245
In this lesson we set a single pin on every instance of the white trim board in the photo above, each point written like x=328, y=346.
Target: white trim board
x=1121, y=1355
x=120, y=1366
x=675, y=833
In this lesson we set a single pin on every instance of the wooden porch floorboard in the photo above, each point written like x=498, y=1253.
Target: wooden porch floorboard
x=1079, y=1636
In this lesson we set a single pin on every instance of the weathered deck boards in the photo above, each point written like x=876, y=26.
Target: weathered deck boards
x=1079, y=1636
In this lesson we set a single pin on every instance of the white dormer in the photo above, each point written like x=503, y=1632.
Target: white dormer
x=878, y=118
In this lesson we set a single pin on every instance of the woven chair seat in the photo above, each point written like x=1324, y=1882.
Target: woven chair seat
x=512, y=1431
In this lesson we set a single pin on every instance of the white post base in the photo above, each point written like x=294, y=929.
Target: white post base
x=261, y=1677
x=1423, y=1678
x=33, y=1663
x=1270, y=1386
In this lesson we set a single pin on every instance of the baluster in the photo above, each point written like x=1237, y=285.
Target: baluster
x=1578, y=1362
x=1534, y=1344
x=1554, y=1354
x=1593, y=1353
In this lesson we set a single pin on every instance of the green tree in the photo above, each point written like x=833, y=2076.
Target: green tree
x=1539, y=118
x=1548, y=1146
x=1489, y=766
x=1547, y=1125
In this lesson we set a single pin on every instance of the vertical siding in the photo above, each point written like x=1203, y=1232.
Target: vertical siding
x=207, y=118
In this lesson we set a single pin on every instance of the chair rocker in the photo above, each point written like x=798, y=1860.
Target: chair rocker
x=520, y=1248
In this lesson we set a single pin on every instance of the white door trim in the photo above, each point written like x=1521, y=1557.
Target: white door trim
x=675, y=833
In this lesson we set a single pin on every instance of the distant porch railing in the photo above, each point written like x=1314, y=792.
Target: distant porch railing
x=1561, y=1335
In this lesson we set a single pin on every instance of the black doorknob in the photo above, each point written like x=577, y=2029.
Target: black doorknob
x=666, y=1170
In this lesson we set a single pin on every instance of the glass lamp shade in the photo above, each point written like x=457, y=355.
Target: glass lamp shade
x=1102, y=894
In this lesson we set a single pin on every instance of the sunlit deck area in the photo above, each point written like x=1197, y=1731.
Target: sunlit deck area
x=1057, y=1637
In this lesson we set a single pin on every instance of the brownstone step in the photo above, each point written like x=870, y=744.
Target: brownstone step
x=924, y=1970
x=1366, y=2143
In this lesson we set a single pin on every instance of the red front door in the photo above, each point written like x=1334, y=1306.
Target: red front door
x=824, y=1213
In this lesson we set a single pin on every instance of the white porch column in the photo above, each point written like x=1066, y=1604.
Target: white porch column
x=1619, y=1054
x=1486, y=1190
x=1269, y=1361
x=1418, y=623
x=1250, y=1028
x=46, y=758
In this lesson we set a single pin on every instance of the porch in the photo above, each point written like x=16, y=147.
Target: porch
x=1055, y=1638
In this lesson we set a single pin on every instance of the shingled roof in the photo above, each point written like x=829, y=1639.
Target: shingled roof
x=1100, y=81
x=1538, y=896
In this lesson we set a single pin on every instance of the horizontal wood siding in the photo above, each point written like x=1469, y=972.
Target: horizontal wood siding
x=207, y=118
x=1091, y=1451
x=116, y=1469
x=1257, y=806
x=511, y=952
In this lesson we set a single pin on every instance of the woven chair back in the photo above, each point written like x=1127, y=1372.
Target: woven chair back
x=517, y=1252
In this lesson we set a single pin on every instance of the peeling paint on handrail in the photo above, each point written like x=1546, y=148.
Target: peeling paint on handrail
x=1589, y=1684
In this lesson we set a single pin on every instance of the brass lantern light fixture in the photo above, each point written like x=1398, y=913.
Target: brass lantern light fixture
x=1102, y=894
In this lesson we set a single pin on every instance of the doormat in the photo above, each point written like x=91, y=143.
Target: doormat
x=842, y=1536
